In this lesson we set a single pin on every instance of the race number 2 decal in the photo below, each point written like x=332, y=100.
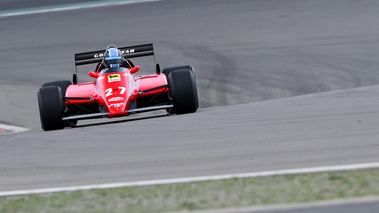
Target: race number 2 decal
x=108, y=92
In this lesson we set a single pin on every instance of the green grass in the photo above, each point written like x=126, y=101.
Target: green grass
x=237, y=192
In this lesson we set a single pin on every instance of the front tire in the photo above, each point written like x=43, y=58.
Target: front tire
x=169, y=70
x=62, y=84
x=183, y=91
x=50, y=102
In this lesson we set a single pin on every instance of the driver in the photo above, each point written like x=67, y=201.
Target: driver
x=112, y=57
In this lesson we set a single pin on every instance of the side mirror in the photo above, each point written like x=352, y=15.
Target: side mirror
x=134, y=70
x=158, y=68
x=93, y=74
x=74, y=79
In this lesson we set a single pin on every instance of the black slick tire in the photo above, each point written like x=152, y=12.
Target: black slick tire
x=62, y=84
x=50, y=102
x=183, y=91
x=168, y=70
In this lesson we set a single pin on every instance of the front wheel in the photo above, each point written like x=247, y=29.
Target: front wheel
x=50, y=102
x=169, y=70
x=62, y=84
x=183, y=91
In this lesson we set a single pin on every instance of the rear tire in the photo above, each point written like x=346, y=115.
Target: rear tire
x=183, y=91
x=50, y=102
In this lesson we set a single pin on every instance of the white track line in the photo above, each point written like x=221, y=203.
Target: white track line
x=295, y=206
x=12, y=129
x=193, y=179
x=69, y=7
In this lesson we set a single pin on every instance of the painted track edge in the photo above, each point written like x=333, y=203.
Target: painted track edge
x=193, y=179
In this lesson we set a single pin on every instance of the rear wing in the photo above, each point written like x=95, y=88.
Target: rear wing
x=127, y=52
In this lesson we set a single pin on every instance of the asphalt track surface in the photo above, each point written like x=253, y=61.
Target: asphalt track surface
x=250, y=56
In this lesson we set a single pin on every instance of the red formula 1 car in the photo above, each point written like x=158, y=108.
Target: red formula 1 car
x=117, y=90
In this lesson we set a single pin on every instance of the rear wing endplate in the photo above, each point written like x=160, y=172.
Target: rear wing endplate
x=127, y=52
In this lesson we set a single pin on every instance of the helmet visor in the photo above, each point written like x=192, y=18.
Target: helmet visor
x=113, y=60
